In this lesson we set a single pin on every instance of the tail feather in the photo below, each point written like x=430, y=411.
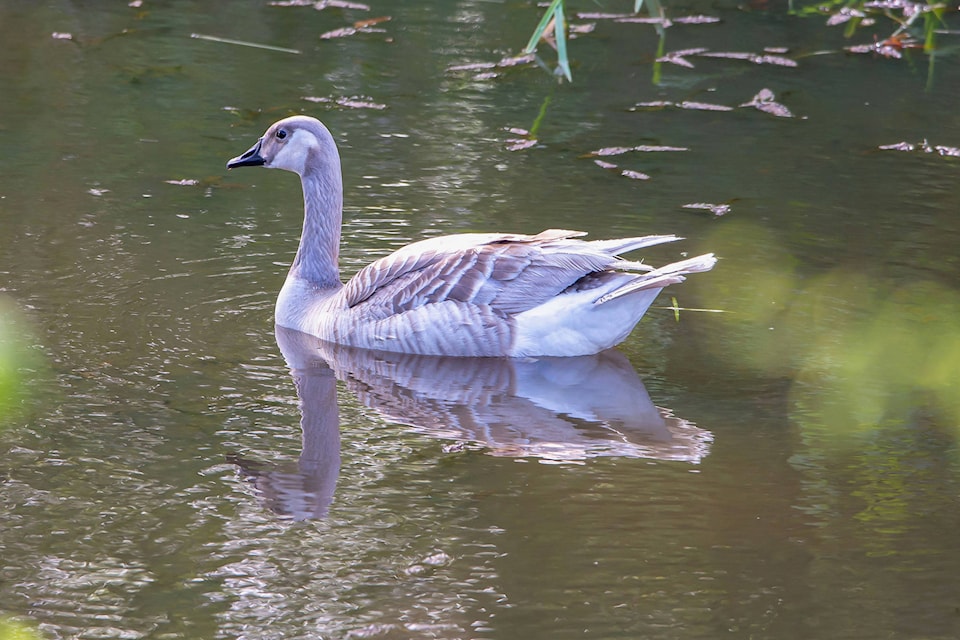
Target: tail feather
x=662, y=277
x=619, y=246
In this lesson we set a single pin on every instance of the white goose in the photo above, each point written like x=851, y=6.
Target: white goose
x=472, y=294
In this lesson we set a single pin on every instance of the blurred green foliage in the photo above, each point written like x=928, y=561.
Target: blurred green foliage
x=11, y=629
x=16, y=359
x=860, y=350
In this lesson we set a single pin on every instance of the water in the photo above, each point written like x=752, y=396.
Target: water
x=799, y=479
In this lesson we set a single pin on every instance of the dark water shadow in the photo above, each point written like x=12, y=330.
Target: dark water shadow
x=551, y=409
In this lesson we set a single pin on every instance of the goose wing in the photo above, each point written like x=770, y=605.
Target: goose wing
x=508, y=273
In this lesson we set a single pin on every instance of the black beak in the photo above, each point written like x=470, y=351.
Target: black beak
x=251, y=158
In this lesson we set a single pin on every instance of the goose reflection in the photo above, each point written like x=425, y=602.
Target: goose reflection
x=552, y=409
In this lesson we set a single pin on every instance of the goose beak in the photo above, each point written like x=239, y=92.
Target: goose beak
x=251, y=158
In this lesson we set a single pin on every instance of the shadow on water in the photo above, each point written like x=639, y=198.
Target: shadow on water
x=550, y=409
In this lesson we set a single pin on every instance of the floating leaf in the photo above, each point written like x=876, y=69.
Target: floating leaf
x=342, y=32
x=923, y=147
x=715, y=209
x=519, y=144
x=616, y=151
x=751, y=57
x=366, y=24
x=604, y=165
x=662, y=21
x=517, y=131
x=843, y=15
x=611, y=151
x=472, y=66
x=878, y=48
x=677, y=58
x=703, y=106
x=658, y=148
x=512, y=61
x=899, y=146
x=697, y=19
x=593, y=15
x=635, y=175
x=581, y=29
x=777, y=60
x=765, y=101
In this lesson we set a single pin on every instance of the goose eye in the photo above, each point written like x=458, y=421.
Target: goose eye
x=281, y=134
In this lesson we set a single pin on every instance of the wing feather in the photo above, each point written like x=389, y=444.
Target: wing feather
x=509, y=273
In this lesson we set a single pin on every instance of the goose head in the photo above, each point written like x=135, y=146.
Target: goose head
x=300, y=144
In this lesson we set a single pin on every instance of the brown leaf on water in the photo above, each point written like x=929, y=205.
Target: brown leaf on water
x=899, y=146
x=640, y=20
x=715, y=209
x=923, y=147
x=703, y=106
x=634, y=175
x=765, y=101
x=593, y=15
x=342, y=32
x=776, y=60
x=845, y=14
x=610, y=151
x=519, y=144
x=366, y=24
x=947, y=151
x=581, y=29
x=616, y=151
x=879, y=48
x=700, y=19
x=472, y=66
x=512, y=61
x=657, y=148
x=341, y=4
x=654, y=105
x=679, y=57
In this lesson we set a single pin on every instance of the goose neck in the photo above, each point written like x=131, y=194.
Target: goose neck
x=318, y=255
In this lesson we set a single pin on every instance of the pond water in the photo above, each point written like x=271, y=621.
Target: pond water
x=787, y=468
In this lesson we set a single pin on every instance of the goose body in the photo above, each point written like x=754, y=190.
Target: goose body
x=474, y=294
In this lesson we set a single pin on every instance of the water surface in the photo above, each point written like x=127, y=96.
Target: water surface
x=158, y=485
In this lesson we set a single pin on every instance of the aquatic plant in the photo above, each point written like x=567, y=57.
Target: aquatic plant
x=553, y=28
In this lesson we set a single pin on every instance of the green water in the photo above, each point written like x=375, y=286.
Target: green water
x=801, y=478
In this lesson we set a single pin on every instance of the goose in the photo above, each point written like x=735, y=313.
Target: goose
x=470, y=294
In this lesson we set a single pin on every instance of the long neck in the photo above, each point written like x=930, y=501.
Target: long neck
x=318, y=255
